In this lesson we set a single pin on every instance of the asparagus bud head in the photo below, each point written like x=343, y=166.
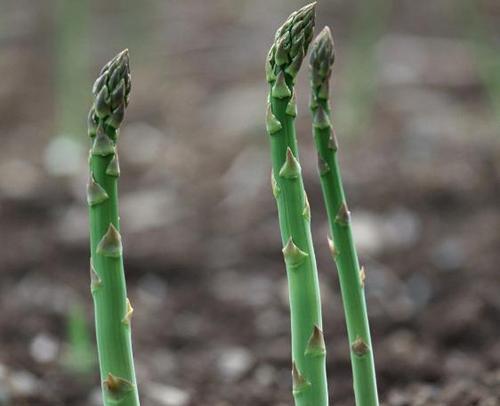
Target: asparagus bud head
x=111, y=92
x=291, y=43
x=321, y=62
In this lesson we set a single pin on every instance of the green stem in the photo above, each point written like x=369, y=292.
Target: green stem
x=350, y=275
x=308, y=349
x=112, y=308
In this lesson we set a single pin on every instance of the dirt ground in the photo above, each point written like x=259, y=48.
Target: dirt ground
x=417, y=120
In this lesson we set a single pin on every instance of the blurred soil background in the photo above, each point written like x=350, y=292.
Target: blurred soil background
x=417, y=112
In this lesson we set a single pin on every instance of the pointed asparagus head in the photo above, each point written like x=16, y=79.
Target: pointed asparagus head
x=111, y=91
x=321, y=62
x=291, y=43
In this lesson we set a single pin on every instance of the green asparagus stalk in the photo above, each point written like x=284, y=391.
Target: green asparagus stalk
x=112, y=307
x=351, y=276
x=308, y=348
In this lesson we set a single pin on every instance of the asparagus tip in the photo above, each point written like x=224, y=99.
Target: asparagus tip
x=306, y=12
x=323, y=52
x=111, y=90
x=325, y=35
x=321, y=62
x=291, y=42
x=124, y=53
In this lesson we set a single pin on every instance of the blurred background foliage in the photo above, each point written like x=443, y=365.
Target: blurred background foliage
x=417, y=112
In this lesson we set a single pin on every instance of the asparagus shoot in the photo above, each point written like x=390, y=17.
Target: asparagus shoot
x=308, y=348
x=112, y=307
x=351, y=276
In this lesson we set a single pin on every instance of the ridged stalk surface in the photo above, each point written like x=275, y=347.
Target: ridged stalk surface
x=308, y=349
x=351, y=276
x=112, y=307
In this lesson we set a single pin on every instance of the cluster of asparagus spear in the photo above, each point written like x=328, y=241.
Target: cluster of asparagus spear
x=113, y=310
x=308, y=346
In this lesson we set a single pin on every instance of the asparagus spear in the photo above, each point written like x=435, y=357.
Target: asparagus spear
x=308, y=350
x=112, y=307
x=343, y=250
